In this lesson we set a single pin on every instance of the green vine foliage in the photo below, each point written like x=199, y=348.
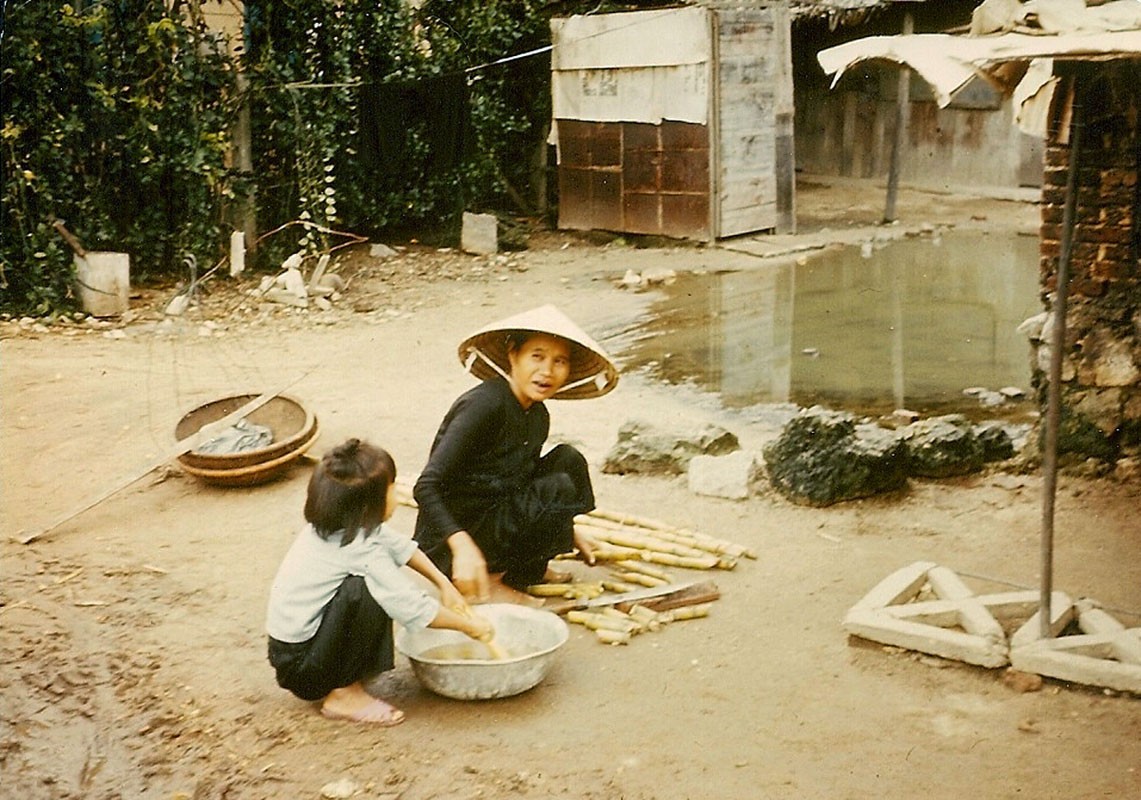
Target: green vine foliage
x=302, y=66
x=119, y=118
x=116, y=119
x=510, y=103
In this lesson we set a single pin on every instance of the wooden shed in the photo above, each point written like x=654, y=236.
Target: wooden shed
x=676, y=122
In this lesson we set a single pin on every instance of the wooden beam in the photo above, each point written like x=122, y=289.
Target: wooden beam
x=901, y=109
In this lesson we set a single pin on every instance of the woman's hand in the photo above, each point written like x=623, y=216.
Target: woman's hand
x=469, y=568
x=585, y=546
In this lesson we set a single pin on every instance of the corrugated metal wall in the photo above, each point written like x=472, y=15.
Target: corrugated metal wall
x=635, y=177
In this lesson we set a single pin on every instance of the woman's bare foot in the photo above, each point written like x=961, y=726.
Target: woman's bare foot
x=502, y=593
x=553, y=575
x=355, y=704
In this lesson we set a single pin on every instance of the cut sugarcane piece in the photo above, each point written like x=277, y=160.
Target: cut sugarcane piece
x=642, y=614
x=641, y=541
x=687, y=612
x=633, y=625
x=573, y=591
x=585, y=591
x=612, y=637
x=646, y=617
x=663, y=552
x=595, y=621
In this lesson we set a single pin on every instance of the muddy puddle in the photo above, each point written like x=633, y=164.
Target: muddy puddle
x=928, y=324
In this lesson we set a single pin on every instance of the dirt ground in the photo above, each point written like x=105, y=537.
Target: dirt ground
x=133, y=653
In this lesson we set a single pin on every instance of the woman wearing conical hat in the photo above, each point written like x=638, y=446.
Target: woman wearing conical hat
x=493, y=509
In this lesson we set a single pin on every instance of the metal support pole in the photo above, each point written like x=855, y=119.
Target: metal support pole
x=1054, y=389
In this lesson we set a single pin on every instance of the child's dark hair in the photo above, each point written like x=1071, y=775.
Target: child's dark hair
x=349, y=490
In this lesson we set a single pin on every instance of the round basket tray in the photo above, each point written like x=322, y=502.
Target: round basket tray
x=253, y=474
x=292, y=424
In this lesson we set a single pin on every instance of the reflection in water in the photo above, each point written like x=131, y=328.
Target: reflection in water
x=910, y=327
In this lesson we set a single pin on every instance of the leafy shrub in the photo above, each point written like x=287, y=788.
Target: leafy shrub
x=118, y=118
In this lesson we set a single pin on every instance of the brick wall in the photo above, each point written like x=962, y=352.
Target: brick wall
x=1101, y=378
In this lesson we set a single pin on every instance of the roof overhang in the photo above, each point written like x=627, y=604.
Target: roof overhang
x=1016, y=64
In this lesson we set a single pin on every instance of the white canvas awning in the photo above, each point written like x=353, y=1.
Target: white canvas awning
x=1012, y=46
x=949, y=62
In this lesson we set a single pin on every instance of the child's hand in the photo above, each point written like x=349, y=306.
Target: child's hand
x=450, y=597
x=480, y=629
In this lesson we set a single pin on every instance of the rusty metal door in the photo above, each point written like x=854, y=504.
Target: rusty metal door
x=635, y=177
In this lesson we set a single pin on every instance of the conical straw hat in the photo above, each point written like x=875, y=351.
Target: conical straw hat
x=592, y=373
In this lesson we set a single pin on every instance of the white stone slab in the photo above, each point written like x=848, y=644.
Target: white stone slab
x=730, y=476
x=479, y=234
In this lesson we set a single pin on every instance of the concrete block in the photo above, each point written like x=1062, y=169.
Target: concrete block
x=479, y=234
x=957, y=624
x=925, y=638
x=899, y=587
x=1062, y=613
x=1105, y=653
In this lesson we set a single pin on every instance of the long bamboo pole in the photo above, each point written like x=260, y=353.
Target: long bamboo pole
x=1054, y=389
x=182, y=446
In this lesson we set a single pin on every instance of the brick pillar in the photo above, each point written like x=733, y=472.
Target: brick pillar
x=1101, y=392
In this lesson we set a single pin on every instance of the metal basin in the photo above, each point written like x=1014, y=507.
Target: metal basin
x=453, y=665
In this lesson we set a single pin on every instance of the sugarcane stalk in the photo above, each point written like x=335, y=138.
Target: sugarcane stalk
x=618, y=587
x=642, y=580
x=641, y=541
x=585, y=591
x=612, y=553
x=709, y=544
x=688, y=562
x=642, y=567
x=629, y=519
x=673, y=533
x=549, y=590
